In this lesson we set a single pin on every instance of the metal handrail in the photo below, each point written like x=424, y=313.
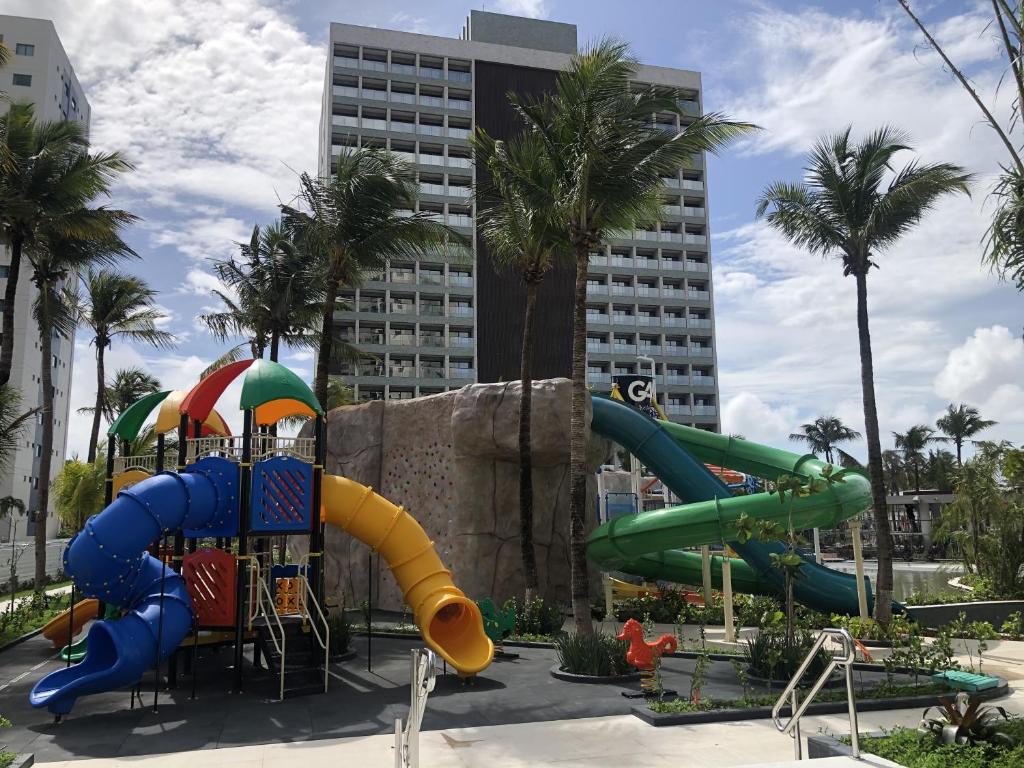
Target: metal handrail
x=846, y=660
x=305, y=596
x=263, y=599
x=407, y=739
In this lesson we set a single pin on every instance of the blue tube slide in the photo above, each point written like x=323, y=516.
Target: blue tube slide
x=820, y=588
x=104, y=560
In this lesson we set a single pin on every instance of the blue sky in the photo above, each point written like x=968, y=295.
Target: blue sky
x=217, y=104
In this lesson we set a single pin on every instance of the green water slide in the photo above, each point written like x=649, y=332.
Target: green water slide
x=647, y=544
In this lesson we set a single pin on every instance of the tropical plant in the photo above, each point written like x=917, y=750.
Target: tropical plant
x=127, y=386
x=48, y=184
x=608, y=159
x=940, y=470
x=596, y=655
x=1004, y=240
x=894, y=471
x=356, y=221
x=273, y=294
x=338, y=394
x=959, y=423
x=12, y=423
x=912, y=444
x=965, y=721
x=823, y=436
x=55, y=258
x=78, y=492
x=853, y=205
x=535, y=617
x=117, y=306
x=516, y=203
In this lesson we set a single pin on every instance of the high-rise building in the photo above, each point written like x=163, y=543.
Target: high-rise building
x=438, y=323
x=38, y=72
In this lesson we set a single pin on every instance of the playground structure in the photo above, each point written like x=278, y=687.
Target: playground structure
x=209, y=524
x=644, y=655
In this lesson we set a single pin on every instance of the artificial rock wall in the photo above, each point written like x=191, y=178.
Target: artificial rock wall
x=452, y=461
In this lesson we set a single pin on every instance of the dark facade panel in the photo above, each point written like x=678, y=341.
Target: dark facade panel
x=501, y=296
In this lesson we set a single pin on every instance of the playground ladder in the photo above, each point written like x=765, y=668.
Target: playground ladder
x=846, y=660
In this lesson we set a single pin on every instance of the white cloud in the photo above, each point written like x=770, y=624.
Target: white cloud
x=748, y=415
x=986, y=371
x=536, y=9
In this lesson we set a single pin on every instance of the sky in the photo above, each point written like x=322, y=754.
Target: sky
x=217, y=104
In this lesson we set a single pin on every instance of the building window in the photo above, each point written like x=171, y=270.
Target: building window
x=22, y=79
x=25, y=49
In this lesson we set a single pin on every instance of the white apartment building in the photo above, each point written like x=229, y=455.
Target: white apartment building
x=39, y=72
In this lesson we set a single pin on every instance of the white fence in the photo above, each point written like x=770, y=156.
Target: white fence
x=26, y=562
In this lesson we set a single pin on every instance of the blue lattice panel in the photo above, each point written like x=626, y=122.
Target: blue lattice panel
x=282, y=494
x=224, y=473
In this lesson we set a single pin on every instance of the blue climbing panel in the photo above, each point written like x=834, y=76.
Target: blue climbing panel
x=224, y=474
x=282, y=495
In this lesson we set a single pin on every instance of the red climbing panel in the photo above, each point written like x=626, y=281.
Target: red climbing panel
x=210, y=575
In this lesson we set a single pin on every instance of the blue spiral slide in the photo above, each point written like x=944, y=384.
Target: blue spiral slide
x=107, y=561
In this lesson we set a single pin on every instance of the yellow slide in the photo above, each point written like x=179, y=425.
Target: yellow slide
x=57, y=629
x=449, y=621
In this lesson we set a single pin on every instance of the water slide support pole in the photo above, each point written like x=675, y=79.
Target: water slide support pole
x=858, y=559
x=705, y=562
x=817, y=546
x=730, y=629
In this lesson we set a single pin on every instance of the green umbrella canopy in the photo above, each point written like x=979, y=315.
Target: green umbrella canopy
x=266, y=381
x=129, y=423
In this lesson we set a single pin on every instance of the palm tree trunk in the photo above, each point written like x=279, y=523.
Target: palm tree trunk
x=526, y=451
x=959, y=451
x=917, y=477
x=101, y=393
x=883, y=532
x=46, y=457
x=10, y=296
x=323, y=357
x=275, y=343
x=578, y=452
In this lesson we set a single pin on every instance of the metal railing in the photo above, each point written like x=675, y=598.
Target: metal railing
x=146, y=463
x=306, y=597
x=263, y=605
x=846, y=660
x=262, y=447
x=407, y=739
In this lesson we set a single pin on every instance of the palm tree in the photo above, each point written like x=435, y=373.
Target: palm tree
x=824, y=434
x=127, y=386
x=78, y=492
x=516, y=201
x=852, y=206
x=49, y=183
x=893, y=471
x=12, y=423
x=55, y=259
x=276, y=294
x=940, y=470
x=959, y=423
x=608, y=159
x=912, y=444
x=356, y=221
x=117, y=306
x=338, y=394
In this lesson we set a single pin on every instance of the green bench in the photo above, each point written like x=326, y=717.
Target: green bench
x=965, y=681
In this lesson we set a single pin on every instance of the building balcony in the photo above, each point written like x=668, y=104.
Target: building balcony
x=676, y=350
x=702, y=381
x=671, y=182
x=462, y=105
x=402, y=371
x=431, y=372
x=672, y=210
x=463, y=282
x=677, y=379
x=699, y=322
x=673, y=293
x=623, y=290
x=670, y=237
x=677, y=409
x=402, y=277
x=624, y=349
x=399, y=97
x=647, y=290
x=650, y=350
x=689, y=107
x=596, y=319
x=674, y=266
x=461, y=373
x=696, y=239
x=460, y=311
x=704, y=410
x=696, y=266
x=621, y=261
x=642, y=263
x=648, y=320
x=624, y=320
x=431, y=101
x=460, y=341
x=432, y=310
x=403, y=340
x=460, y=162
x=694, y=184
x=424, y=129
x=673, y=320
x=598, y=346
x=696, y=293
x=599, y=377
x=697, y=350
x=597, y=290
x=689, y=210
x=401, y=308
x=431, y=341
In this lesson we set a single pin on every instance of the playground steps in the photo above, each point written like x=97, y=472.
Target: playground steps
x=303, y=668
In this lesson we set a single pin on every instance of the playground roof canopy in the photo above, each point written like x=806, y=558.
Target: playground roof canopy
x=266, y=383
x=128, y=425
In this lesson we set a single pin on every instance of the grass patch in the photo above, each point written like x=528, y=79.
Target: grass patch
x=6, y=758
x=880, y=691
x=909, y=748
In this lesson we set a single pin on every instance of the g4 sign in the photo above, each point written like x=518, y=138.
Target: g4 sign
x=637, y=392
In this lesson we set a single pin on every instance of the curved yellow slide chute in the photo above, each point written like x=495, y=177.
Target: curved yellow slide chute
x=449, y=621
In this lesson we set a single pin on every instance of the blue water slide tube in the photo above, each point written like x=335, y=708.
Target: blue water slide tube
x=104, y=560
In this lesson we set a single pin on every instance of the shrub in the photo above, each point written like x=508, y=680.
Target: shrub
x=1013, y=626
x=341, y=632
x=537, y=618
x=662, y=609
x=599, y=655
x=759, y=611
x=768, y=657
